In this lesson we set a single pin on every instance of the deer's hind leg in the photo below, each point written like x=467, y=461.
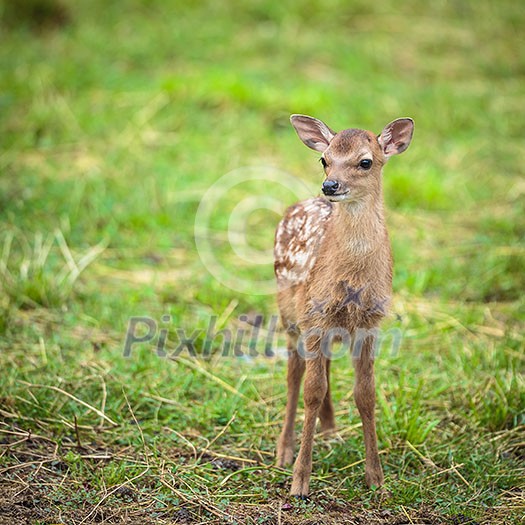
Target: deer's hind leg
x=326, y=413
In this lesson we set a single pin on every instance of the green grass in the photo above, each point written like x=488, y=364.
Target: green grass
x=116, y=119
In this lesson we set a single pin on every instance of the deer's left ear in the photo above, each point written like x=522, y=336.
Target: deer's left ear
x=396, y=136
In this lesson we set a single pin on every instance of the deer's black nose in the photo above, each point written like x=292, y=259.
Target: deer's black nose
x=330, y=187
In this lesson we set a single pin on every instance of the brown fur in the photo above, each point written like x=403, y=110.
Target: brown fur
x=334, y=271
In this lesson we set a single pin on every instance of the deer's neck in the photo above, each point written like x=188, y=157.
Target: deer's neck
x=359, y=228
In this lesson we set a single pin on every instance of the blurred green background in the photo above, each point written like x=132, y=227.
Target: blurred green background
x=116, y=118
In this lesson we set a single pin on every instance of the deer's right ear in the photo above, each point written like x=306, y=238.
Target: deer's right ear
x=314, y=133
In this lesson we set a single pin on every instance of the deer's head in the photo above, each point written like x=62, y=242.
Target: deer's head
x=353, y=159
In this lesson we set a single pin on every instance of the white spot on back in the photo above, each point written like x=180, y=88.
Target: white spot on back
x=297, y=240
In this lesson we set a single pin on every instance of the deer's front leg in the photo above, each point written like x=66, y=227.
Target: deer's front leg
x=315, y=388
x=296, y=366
x=364, y=393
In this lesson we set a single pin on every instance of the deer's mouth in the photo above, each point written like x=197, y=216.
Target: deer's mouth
x=336, y=197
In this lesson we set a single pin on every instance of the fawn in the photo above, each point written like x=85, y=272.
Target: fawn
x=333, y=265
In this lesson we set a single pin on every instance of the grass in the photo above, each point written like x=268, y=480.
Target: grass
x=117, y=119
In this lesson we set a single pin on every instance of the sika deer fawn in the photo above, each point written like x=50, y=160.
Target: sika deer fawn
x=334, y=275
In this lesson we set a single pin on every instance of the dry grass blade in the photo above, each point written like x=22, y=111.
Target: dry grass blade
x=223, y=430
x=196, y=498
x=112, y=491
x=198, y=367
x=74, y=398
x=74, y=268
x=423, y=458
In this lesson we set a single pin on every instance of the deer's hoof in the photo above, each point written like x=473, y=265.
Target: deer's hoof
x=328, y=430
x=301, y=498
x=284, y=456
x=300, y=485
x=374, y=478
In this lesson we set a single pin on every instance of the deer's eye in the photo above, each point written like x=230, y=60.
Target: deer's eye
x=323, y=162
x=366, y=164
